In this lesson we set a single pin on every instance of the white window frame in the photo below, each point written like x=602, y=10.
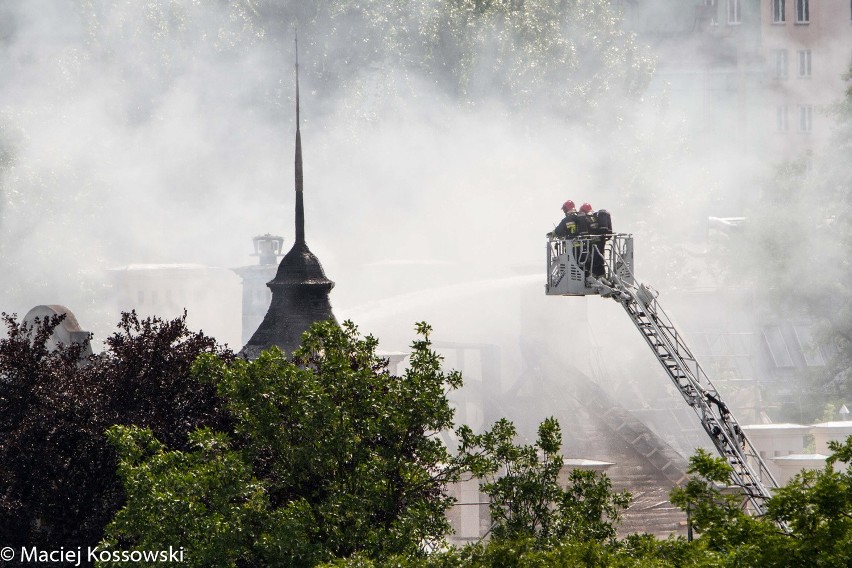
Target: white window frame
x=811, y=352
x=777, y=346
x=803, y=11
x=778, y=15
x=806, y=118
x=804, y=63
x=734, y=9
x=714, y=12
x=782, y=118
x=782, y=64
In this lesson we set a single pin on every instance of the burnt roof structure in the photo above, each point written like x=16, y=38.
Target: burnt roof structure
x=300, y=288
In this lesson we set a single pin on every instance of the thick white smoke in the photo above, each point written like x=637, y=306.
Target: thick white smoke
x=162, y=132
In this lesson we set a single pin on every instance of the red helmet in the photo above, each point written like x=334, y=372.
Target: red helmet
x=568, y=206
x=585, y=208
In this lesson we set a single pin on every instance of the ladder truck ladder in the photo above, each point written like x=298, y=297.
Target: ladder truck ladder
x=749, y=471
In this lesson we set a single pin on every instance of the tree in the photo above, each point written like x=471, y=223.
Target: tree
x=569, y=55
x=636, y=551
x=713, y=512
x=815, y=509
x=817, y=506
x=58, y=485
x=527, y=500
x=329, y=455
x=207, y=501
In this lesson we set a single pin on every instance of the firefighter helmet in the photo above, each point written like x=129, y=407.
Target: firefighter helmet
x=568, y=206
x=585, y=208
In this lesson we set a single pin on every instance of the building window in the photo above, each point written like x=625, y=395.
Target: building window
x=805, y=63
x=810, y=350
x=803, y=11
x=782, y=119
x=778, y=12
x=780, y=63
x=806, y=117
x=733, y=11
x=777, y=346
x=711, y=12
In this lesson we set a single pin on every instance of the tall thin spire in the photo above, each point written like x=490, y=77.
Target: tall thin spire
x=300, y=288
x=300, y=205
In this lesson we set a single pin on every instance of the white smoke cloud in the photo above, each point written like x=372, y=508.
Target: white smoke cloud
x=163, y=132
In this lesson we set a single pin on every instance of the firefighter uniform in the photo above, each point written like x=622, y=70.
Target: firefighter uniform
x=586, y=227
x=601, y=229
x=567, y=227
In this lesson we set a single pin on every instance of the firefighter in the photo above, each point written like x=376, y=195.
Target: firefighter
x=599, y=226
x=567, y=227
x=604, y=232
x=587, y=226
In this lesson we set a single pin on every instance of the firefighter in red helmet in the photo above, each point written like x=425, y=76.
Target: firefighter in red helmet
x=598, y=226
x=583, y=248
x=567, y=227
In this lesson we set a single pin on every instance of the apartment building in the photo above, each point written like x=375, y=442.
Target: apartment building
x=808, y=49
x=753, y=78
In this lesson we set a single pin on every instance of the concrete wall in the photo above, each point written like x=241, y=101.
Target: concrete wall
x=784, y=446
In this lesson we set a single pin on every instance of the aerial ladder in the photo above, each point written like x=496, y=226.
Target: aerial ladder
x=569, y=263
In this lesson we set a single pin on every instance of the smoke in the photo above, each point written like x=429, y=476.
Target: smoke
x=162, y=132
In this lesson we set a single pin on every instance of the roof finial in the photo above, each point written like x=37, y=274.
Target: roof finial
x=300, y=207
x=296, y=41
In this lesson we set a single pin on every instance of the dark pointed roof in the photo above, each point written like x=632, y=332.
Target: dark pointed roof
x=300, y=288
x=300, y=267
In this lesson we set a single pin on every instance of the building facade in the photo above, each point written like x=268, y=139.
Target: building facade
x=751, y=79
x=807, y=46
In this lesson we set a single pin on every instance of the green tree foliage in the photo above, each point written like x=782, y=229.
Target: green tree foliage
x=329, y=455
x=817, y=506
x=815, y=509
x=527, y=500
x=637, y=551
x=569, y=55
x=714, y=508
x=208, y=494
x=58, y=485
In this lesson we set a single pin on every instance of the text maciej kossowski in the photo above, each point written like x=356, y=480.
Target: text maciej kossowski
x=89, y=555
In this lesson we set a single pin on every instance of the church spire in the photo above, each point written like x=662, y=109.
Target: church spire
x=300, y=288
x=300, y=205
